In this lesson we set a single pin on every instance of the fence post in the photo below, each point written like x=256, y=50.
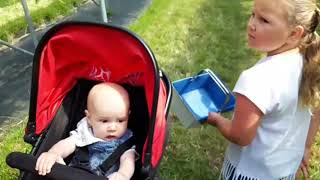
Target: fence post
x=29, y=21
x=104, y=13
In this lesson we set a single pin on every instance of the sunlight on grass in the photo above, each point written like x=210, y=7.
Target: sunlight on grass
x=195, y=34
x=12, y=20
x=6, y=13
x=4, y=3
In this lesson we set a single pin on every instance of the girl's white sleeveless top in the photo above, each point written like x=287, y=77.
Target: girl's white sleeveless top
x=277, y=150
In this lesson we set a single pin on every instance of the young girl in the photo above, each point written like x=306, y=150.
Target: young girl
x=278, y=99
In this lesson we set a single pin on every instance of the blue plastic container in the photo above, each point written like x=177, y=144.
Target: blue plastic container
x=195, y=97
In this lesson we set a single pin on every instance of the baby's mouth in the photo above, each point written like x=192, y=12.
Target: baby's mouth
x=110, y=137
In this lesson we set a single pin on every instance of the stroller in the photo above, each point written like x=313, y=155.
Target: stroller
x=71, y=58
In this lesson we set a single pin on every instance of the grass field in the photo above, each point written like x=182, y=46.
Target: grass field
x=12, y=20
x=187, y=36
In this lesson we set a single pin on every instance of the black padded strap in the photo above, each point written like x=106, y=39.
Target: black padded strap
x=115, y=156
x=83, y=154
x=82, y=162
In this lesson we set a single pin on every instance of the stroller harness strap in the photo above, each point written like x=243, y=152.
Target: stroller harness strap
x=83, y=157
x=115, y=156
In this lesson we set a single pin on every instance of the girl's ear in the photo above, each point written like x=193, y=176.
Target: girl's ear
x=297, y=33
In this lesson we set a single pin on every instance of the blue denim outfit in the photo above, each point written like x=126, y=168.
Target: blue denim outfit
x=99, y=152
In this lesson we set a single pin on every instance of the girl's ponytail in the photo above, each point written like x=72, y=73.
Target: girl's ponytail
x=310, y=48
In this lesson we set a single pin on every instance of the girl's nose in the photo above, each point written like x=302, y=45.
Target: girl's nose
x=251, y=24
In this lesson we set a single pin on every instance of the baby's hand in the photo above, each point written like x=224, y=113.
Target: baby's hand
x=45, y=162
x=118, y=176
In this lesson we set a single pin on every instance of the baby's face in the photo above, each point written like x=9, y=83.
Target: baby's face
x=109, y=125
x=108, y=111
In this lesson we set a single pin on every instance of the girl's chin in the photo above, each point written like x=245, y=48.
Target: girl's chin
x=255, y=47
x=252, y=45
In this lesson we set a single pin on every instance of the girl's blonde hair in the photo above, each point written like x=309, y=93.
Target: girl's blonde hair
x=306, y=14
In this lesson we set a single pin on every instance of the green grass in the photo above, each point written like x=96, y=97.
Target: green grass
x=315, y=160
x=187, y=36
x=11, y=141
x=195, y=34
x=12, y=21
x=4, y=3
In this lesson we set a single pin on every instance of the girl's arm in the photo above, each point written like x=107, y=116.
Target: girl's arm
x=313, y=128
x=246, y=120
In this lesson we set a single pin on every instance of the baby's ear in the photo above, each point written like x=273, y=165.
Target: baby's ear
x=86, y=112
x=88, y=116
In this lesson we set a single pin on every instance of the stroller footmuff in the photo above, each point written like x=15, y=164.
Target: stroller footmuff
x=71, y=58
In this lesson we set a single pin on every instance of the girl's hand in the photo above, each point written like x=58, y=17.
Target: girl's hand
x=212, y=118
x=304, y=166
x=45, y=162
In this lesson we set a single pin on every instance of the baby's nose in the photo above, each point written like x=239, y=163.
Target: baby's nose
x=112, y=126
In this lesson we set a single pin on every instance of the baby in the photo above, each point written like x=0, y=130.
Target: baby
x=103, y=129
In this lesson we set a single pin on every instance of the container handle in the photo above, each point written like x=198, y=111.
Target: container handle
x=225, y=90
